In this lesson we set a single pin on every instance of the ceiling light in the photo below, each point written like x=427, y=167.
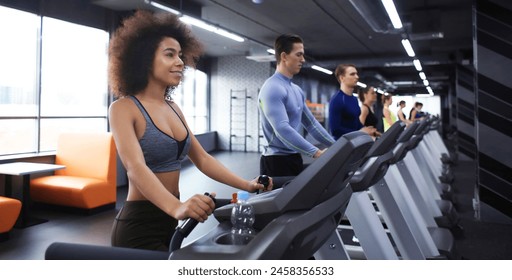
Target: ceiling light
x=271, y=51
x=408, y=47
x=417, y=64
x=211, y=28
x=426, y=36
x=198, y=23
x=162, y=7
x=404, y=83
x=396, y=64
x=363, y=85
x=229, y=35
x=321, y=69
x=425, y=82
x=423, y=76
x=430, y=91
x=392, y=13
x=380, y=91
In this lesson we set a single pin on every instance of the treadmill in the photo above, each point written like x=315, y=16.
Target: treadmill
x=404, y=213
x=375, y=244
x=292, y=222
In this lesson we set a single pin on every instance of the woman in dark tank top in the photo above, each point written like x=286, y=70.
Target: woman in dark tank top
x=368, y=97
x=415, y=113
x=400, y=114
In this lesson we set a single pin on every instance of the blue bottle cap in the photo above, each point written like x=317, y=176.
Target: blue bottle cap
x=243, y=195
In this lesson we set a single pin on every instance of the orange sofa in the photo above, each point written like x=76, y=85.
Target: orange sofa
x=88, y=180
x=9, y=212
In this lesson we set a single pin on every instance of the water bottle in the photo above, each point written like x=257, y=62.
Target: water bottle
x=242, y=219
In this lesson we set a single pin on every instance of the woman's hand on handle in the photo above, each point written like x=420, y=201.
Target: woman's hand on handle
x=255, y=185
x=198, y=207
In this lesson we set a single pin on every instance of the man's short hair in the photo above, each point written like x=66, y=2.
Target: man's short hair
x=284, y=43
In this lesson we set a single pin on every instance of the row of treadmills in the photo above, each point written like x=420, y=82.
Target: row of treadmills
x=387, y=199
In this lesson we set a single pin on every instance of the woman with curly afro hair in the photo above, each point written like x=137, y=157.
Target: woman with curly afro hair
x=147, y=57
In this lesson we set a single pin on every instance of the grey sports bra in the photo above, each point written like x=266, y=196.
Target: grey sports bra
x=162, y=152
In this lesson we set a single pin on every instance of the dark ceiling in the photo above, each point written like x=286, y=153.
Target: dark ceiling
x=336, y=31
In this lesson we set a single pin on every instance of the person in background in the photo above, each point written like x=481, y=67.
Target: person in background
x=344, y=110
x=400, y=113
x=416, y=113
x=147, y=57
x=389, y=117
x=368, y=97
x=284, y=113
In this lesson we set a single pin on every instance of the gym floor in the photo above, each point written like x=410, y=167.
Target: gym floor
x=484, y=239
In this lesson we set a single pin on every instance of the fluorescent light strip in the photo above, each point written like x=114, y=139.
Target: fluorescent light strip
x=229, y=35
x=321, y=69
x=417, y=64
x=403, y=83
x=425, y=82
x=423, y=76
x=380, y=91
x=196, y=22
x=163, y=7
x=392, y=13
x=430, y=91
x=408, y=48
x=271, y=51
x=211, y=28
x=363, y=85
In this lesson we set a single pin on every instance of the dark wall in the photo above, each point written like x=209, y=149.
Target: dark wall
x=493, y=102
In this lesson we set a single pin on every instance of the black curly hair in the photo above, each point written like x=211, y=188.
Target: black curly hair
x=133, y=46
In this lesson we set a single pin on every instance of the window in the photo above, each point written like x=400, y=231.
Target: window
x=51, y=83
x=18, y=81
x=191, y=96
x=74, y=90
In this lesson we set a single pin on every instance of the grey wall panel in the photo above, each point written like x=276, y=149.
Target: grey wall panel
x=493, y=114
x=466, y=94
x=495, y=145
x=495, y=66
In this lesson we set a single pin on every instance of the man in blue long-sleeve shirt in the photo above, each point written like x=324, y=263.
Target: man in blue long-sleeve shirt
x=344, y=107
x=284, y=112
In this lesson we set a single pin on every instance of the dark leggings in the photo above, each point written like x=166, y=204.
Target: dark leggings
x=142, y=225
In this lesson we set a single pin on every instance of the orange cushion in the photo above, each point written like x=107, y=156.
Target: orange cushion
x=87, y=155
x=73, y=191
x=9, y=211
x=89, y=177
